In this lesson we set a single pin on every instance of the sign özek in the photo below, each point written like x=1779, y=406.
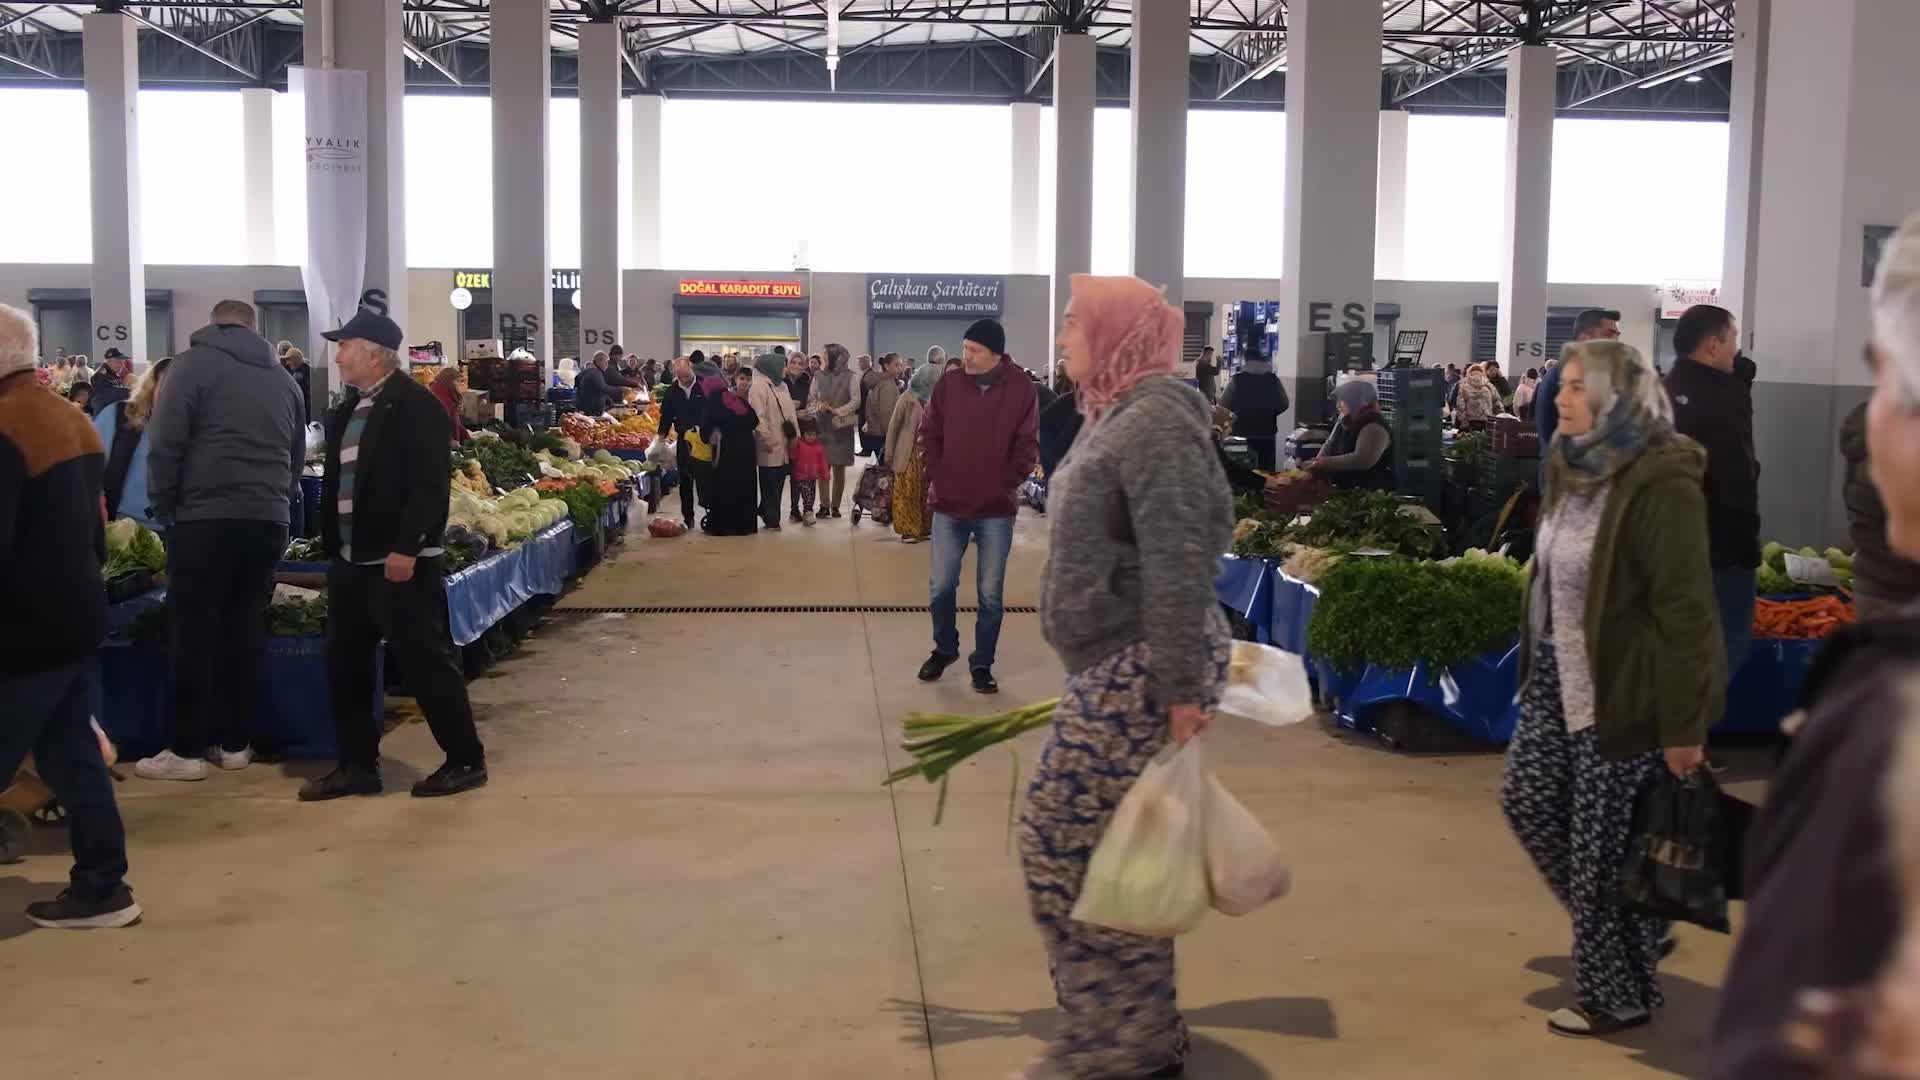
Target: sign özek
x=564, y=280
x=945, y=294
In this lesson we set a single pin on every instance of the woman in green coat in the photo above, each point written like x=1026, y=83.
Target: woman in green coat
x=1623, y=670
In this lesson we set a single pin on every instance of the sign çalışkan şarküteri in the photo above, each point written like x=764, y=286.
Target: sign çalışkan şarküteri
x=956, y=295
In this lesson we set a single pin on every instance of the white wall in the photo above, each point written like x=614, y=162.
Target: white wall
x=195, y=289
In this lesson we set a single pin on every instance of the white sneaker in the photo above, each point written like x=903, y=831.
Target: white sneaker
x=230, y=760
x=166, y=765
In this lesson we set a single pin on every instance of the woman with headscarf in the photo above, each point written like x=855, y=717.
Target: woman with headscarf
x=731, y=493
x=1478, y=403
x=1359, y=452
x=446, y=391
x=1523, y=394
x=835, y=404
x=1621, y=666
x=937, y=358
x=123, y=429
x=777, y=428
x=910, y=517
x=1140, y=515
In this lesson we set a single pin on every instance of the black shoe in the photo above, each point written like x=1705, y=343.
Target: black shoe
x=71, y=912
x=794, y=517
x=343, y=781
x=836, y=512
x=451, y=779
x=936, y=666
x=1668, y=944
x=773, y=527
x=983, y=681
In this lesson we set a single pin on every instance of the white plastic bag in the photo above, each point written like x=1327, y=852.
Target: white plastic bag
x=1266, y=685
x=1245, y=871
x=1148, y=875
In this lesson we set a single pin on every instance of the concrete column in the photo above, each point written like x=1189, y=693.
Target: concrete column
x=647, y=245
x=1333, y=148
x=519, y=61
x=1023, y=247
x=1532, y=90
x=1753, y=21
x=256, y=121
x=1390, y=221
x=113, y=132
x=1159, y=106
x=1073, y=96
x=600, y=65
x=369, y=37
x=317, y=33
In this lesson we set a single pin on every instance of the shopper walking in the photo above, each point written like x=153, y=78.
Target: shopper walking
x=225, y=447
x=1621, y=667
x=733, y=485
x=680, y=412
x=777, y=428
x=911, y=518
x=809, y=468
x=1834, y=860
x=978, y=441
x=1258, y=400
x=1478, y=402
x=1884, y=581
x=871, y=375
x=381, y=519
x=834, y=403
x=296, y=364
x=53, y=613
x=1146, y=656
x=876, y=415
x=1206, y=372
x=123, y=431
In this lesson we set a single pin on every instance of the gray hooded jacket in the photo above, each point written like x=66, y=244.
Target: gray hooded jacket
x=226, y=440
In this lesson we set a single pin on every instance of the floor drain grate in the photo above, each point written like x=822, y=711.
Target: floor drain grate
x=776, y=609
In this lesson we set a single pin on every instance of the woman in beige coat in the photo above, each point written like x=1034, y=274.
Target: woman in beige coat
x=773, y=405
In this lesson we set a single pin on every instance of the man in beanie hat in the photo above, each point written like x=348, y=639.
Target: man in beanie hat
x=979, y=442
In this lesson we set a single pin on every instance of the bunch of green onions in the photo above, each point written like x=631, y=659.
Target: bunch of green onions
x=940, y=741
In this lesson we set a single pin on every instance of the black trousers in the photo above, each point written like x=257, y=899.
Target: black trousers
x=46, y=715
x=683, y=461
x=1265, y=453
x=362, y=608
x=772, y=479
x=219, y=585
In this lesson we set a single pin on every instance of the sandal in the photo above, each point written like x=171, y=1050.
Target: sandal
x=1578, y=1022
x=49, y=815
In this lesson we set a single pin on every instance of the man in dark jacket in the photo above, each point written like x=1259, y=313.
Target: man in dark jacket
x=110, y=382
x=593, y=391
x=1257, y=400
x=680, y=412
x=53, y=613
x=381, y=520
x=1883, y=581
x=1206, y=371
x=979, y=442
x=224, y=451
x=1712, y=390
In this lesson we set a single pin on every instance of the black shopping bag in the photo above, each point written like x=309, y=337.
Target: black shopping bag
x=1676, y=864
x=1736, y=824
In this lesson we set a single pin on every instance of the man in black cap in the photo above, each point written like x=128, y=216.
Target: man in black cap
x=110, y=382
x=382, y=514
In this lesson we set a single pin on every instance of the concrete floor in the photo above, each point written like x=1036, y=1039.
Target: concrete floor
x=686, y=868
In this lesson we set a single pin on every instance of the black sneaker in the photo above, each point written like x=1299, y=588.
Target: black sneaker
x=70, y=912
x=794, y=517
x=451, y=779
x=1668, y=944
x=343, y=781
x=936, y=666
x=983, y=681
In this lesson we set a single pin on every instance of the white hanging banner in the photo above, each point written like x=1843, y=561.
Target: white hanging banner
x=335, y=103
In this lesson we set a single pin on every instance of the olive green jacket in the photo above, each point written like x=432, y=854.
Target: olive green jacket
x=1653, y=626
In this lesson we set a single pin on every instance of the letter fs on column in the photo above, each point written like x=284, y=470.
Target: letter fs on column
x=119, y=283
x=1073, y=64
x=370, y=38
x=1159, y=106
x=1024, y=204
x=1532, y=97
x=1333, y=149
x=1753, y=32
x=646, y=181
x=519, y=62
x=600, y=66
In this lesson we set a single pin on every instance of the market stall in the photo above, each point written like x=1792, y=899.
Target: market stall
x=743, y=315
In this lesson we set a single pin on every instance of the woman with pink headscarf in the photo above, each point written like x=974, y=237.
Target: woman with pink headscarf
x=1139, y=514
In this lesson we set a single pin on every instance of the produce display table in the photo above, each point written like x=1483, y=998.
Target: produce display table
x=482, y=594
x=1246, y=586
x=1767, y=687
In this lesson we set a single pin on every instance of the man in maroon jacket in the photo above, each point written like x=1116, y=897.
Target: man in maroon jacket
x=979, y=441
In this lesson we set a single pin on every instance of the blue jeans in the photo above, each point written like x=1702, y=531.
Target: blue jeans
x=47, y=715
x=994, y=536
x=1733, y=586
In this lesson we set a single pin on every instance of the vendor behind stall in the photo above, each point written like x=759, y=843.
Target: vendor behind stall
x=1359, y=453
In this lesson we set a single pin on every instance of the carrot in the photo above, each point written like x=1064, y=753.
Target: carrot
x=1801, y=620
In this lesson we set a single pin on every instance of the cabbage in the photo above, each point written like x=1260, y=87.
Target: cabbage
x=495, y=528
x=120, y=533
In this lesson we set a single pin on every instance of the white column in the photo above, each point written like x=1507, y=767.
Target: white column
x=113, y=134
x=519, y=65
x=369, y=37
x=600, y=64
x=1159, y=105
x=256, y=167
x=1532, y=96
x=1390, y=222
x=646, y=181
x=318, y=33
x=1073, y=95
x=1023, y=249
x=1333, y=148
x=1753, y=21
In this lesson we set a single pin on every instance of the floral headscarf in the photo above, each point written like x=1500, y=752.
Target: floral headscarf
x=1630, y=413
x=1132, y=333
x=924, y=378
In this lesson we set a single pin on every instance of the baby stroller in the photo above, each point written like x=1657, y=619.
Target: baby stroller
x=874, y=495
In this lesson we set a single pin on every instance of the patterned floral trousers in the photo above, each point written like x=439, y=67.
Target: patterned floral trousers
x=1573, y=812
x=1118, y=1017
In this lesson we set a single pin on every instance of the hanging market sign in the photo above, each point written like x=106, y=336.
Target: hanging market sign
x=1677, y=296
x=563, y=280
x=707, y=288
x=947, y=294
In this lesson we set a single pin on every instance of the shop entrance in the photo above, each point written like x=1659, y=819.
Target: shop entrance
x=283, y=317
x=65, y=321
x=912, y=338
x=719, y=333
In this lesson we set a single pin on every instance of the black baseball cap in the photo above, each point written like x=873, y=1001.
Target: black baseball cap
x=369, y=326
x=114, y=354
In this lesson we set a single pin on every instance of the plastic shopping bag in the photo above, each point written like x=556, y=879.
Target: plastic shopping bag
x=1266, y=685
x=1148, y=875
x=1245, y=871
x=1676, y=862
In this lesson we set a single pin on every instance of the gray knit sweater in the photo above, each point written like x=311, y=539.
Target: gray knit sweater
x=1140, y=514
